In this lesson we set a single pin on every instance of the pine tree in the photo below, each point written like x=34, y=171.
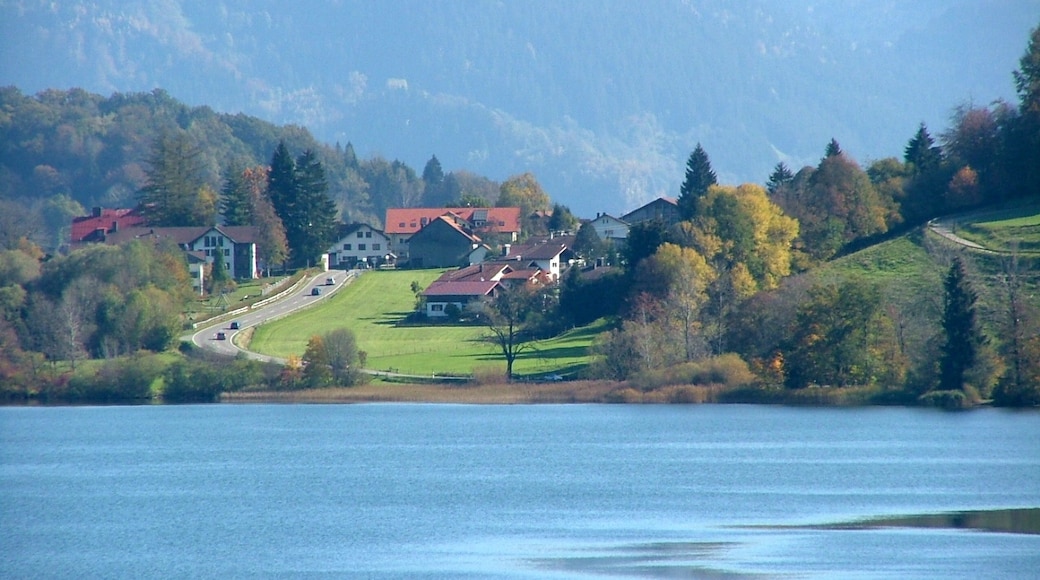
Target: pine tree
x=699, y=177
x=921, y=152
x=833, y=149
x=235, y=201
x=299, y=193
x=963, y=337
x=176, y=193
x=780, y=177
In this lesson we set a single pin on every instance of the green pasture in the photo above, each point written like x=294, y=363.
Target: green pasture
x=375, y=305
x=901, y=267
x=1005, y=229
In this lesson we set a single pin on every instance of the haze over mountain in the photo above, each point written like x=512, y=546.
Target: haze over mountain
x=602, y=100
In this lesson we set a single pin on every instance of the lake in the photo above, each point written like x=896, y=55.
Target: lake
x=526, y=491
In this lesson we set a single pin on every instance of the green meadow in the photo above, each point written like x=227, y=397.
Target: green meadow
x=375, y=307
x=1004, y=229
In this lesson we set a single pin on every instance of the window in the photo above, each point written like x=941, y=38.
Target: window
x=401, y=225
x=424, y=221
x=346, y=247
x=227, y=253
x=436, y=307
x=220, y=241
x=377, y=247
x=609, y=233
x=361, y=247
x=501, y=223
x=361, y=234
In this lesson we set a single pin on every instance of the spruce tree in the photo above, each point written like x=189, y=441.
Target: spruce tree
x=963, y=337
x=780, y=177
x=833, y=149
x=699, y=177
x=921, y=152
x=236, y=204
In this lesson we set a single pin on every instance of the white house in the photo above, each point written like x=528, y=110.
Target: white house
x=360, y=244
x=609, y=228
x=235, y=244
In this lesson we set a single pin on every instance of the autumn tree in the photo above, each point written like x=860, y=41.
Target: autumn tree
x=506, y=317
x=525, y=192
x=1020, y=385
x=175, y=193
x=699, y=177
x=830, y=343
x=317, y=370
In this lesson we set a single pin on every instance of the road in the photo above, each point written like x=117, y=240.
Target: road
x=301, y=298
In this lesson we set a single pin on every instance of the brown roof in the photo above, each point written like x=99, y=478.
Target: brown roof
x=476, y=272
x=495, y=219
x=182, y=235
x=464, y=288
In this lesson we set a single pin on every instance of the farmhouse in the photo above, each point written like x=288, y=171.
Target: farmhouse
x=609, y=228
x=440, y=295
x=236, y=244
x=100, y=222
x=443, y=243
x=360, y=245
x=547, y=256
x=497, y=222
x=662, y=209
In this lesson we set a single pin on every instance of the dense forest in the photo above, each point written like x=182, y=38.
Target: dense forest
x=732, y=283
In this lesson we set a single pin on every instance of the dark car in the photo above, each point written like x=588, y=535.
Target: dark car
x=234, y=325
x=315, y=291
x=221, y=336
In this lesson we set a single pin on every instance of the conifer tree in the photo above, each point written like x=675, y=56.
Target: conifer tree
x=921, y=152
x=963, y=337
x=833, y=149
x=780, y=178
x=235, y=200
x=699, y=177
x=176, y=193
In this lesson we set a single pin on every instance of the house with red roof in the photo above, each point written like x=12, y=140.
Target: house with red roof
x=460, y=293
x=101, y=221
x=403, y=223
x=443, y=243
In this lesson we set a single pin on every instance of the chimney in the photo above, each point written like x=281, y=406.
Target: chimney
x=115, y=226
x=96, y=212
x=505, y=250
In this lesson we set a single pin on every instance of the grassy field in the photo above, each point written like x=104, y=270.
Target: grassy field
x=1000, y=230
x=374, y=305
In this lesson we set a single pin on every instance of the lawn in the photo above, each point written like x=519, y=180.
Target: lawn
x=374, y=305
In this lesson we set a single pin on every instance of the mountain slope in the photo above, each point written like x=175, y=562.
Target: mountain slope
x=601, y=100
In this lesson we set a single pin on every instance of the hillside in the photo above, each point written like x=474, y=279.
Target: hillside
x=603, y=101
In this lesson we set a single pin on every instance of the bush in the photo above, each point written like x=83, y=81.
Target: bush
x=125, y=379
x=728, y=370
x=490, y=375
x=945, y=400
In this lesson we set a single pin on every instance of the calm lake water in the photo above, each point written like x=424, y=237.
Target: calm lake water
x=571, y=491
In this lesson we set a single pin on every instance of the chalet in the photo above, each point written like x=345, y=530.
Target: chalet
x=462, y=294
x=662, y=209
x=101, y=221
x=609, y=228
x=360, y=245
x=545, y=255
x=236, y=244
x=403, y=223
x=442, y=243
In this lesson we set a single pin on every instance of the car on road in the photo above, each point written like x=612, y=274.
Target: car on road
x=234, y=325
x=221, y=336
x=315, y=291
x=330, y=281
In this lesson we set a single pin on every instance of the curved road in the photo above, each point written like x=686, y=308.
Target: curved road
x=301, y=298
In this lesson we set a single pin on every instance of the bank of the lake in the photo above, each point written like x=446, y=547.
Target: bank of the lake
x=530, y=392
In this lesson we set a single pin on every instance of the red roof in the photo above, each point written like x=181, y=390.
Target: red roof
x=104, y=219
x=481, y=219
x=476, y=272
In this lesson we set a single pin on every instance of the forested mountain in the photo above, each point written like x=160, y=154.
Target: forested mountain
x=601, y=100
